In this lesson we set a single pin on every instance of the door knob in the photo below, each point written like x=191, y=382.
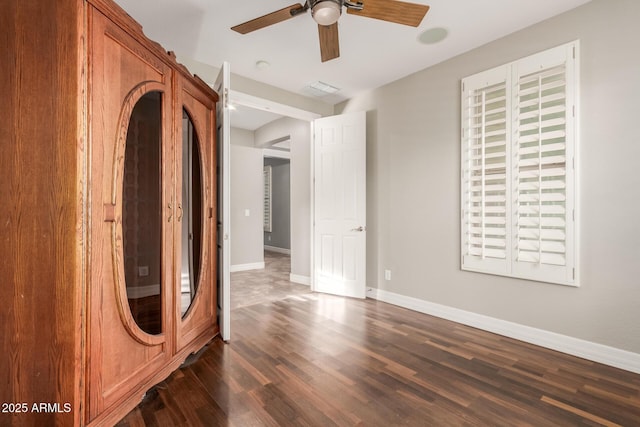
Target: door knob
x=361, y=228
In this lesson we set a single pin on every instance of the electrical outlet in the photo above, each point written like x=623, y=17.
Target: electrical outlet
x=387, y=275
x=143, y=271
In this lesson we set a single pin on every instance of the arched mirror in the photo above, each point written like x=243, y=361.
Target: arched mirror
x=191, y=206
x=141, y=213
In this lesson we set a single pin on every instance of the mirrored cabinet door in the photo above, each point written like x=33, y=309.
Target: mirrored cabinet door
x=130, y=223
x=141, y=213
x=191, y=210
x=195, y=230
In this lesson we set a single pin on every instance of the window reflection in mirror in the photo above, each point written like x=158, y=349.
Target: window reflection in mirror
x=141, y=213
x=191, y=206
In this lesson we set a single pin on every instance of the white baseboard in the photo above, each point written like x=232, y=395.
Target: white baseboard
x=246, y=267
x=278, y=250
x=611, y=356
x=303, y=280
x=143, y=291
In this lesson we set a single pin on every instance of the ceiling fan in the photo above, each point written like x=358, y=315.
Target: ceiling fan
x=327, y=12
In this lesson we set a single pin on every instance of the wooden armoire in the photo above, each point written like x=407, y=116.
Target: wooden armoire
x=107, y=213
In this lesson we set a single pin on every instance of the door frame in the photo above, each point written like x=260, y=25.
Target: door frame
x=223, y=163
x=250, y=101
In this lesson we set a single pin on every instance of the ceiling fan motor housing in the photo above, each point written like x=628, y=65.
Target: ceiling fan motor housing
x=326, y=12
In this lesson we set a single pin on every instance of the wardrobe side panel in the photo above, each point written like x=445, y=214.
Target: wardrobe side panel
x=41, y=199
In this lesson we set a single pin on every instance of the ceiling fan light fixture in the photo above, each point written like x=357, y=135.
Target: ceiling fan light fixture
x=326, y=12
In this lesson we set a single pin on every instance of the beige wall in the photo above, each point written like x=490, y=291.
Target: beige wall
x=413, y=182
x=246, y=193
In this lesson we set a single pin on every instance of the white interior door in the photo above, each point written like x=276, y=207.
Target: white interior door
x=224, y=202
x=340, y=205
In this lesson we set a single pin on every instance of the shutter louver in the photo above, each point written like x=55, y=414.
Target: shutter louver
x=540, y=167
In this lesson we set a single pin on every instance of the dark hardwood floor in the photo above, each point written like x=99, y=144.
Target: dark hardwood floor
x=321, y=360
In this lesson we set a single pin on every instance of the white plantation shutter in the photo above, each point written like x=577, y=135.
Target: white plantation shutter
x=484, y=167
x=268, y=199
x=518, y=172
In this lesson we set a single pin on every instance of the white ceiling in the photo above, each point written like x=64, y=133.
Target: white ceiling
x=373, y=53
x=248, y=118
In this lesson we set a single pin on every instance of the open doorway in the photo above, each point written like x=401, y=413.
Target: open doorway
x=336, y=160
x=270, y=251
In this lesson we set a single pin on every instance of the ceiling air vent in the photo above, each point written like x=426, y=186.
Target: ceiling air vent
x=320, y=89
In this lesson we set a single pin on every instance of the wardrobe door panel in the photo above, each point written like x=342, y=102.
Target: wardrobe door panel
x=195, y=246
x=130, y=108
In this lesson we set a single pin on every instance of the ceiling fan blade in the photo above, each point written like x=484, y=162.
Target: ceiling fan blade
x=270, y=19
x=329, y=44
x=396, y=11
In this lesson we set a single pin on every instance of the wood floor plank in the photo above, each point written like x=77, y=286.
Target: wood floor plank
x=581, y=413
